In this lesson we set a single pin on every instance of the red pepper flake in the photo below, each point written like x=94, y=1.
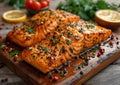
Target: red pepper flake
x=6, y=48
x=111, y=43
x=101, y=50
x=98, y=54
x=55, y=78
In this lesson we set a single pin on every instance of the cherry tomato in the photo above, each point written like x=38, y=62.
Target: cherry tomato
x=48, y=1
x=43, y=4
x=36, y=5
x=28, y=3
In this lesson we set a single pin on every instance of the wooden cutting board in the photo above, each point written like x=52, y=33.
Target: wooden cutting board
x=74, y=76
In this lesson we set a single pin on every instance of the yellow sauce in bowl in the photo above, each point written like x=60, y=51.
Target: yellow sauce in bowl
x=109, y=15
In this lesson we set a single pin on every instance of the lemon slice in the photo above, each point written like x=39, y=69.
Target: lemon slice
x=109, y=15
x=14, y=16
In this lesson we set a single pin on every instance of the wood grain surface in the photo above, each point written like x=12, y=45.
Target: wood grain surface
x=108, y=76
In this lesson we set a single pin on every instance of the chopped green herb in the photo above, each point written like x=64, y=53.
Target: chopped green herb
x=46, y=50
x=61, y=34
x=71, y=49
x=62, y=73
x=95, y=49
x=86, y=8
x=68, y=42
x=52, y=13
x=81, y=65
x=14, y=52
x=2, y=46
x=52, y=38
x=90, y=26
x=69, y=34
x=30, y=29
x=54, y=41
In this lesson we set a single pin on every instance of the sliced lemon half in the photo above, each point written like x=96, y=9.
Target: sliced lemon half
x=109, y=15
x=14, y=16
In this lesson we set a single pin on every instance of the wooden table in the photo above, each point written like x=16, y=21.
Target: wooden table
x=109, y=76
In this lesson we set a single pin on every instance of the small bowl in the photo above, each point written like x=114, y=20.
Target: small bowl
x=108, y=18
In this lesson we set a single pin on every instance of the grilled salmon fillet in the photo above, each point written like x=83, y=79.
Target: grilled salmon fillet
x=51, y=52
x=92, y=34
x=53, y=37
x=39, y=26
x=65, y=43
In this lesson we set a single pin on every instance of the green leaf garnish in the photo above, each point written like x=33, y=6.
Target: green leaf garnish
x=46, y=50
x=95, y=49
x=2, y=46
x=86, y=8
x=30, y=29
x=14, y=52
x=90, y=26
x=81, y=65
x=68, y=42
x=69, y=34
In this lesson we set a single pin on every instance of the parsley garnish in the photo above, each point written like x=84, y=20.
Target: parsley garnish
x=86, y=8
x=52, y=38
x=14, y=52
x=95, y=49
x=30, y=29
x=2, y=46
x=46, y=50
x=68, y=42
x=71, y=49
x=90, y=26
x=81, y=65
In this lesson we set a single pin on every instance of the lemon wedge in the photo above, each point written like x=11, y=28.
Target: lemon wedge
x=14, y=16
